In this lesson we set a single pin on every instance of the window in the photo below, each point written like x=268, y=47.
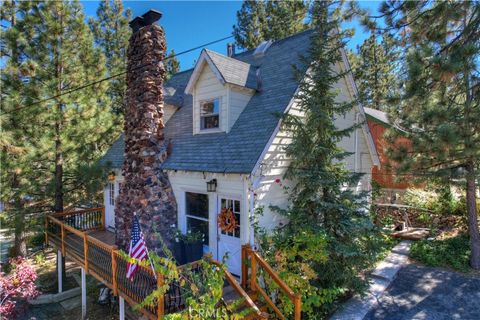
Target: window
x=234, y=205
x=209, y=114
x=196, y=210
x=111, y=193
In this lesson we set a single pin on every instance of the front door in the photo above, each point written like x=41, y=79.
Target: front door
x=229, y=242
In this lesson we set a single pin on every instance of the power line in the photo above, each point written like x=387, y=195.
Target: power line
x=113, y=76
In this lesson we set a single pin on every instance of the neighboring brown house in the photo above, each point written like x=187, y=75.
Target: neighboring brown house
x=392, y=185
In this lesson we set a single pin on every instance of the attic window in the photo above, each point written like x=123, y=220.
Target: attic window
x=210, y=114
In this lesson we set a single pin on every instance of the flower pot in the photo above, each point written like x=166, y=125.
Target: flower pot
x=178, y=252
x=193, y=251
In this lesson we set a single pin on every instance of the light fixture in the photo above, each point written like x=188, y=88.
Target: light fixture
x=111, y=176
x=212, y=185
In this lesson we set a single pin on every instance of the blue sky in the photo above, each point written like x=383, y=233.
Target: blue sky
x=191, y=23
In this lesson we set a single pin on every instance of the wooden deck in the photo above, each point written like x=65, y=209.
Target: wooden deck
x=107, y=237
x=81, y=236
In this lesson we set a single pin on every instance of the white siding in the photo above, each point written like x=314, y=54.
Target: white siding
x=168, y=112
x=270, y=192
x=209, y=87
x=228, y=185
x=238, y=100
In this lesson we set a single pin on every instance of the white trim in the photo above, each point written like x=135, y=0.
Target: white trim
x=359, y=107
x=121, y=308
x=204, y=58
x=275, y=132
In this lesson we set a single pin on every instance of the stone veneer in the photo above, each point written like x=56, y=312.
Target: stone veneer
x=146, y=189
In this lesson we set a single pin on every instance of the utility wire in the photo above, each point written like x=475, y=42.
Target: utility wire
x=112, y=76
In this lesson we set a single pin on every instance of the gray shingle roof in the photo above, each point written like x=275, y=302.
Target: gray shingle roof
x=239, y=150
x=234, y=71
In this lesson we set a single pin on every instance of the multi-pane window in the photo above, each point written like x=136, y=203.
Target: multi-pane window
x=111, y=193
x=197, y=213
x=210, y=114
x=233, y=205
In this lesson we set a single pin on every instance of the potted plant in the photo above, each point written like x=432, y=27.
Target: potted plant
x=187, y=247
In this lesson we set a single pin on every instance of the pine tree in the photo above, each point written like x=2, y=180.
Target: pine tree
x=258, y=21
x=284, y=18
x=248, y=31
x=327, y=234
x=439, y=107
x=111, y=33
x=66, y=134
x=375, y=71
x=172, y=65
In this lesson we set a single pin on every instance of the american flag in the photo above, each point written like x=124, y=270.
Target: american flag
x=138, y=249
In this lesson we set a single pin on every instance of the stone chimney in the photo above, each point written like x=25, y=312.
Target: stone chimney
x=146, y=189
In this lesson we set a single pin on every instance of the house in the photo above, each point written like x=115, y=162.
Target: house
x=222, y=125
x=206, y=141
x=392, y=186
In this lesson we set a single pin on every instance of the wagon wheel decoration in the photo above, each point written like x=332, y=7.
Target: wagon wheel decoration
x=227, y=221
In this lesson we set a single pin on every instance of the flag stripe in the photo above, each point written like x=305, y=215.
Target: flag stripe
x=138, y=249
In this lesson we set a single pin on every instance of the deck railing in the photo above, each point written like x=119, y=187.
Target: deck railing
x=69, y=232
x=258, y=278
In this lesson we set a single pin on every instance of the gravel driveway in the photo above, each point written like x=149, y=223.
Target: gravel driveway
x=426, y=293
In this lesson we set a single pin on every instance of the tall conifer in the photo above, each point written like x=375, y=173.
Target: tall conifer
x=439, y=107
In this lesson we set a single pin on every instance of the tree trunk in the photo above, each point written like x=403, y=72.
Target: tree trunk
x=20, y=244
x=473, y=217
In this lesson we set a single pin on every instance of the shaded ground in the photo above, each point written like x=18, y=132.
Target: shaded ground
x=70, y=310
x=426, y=293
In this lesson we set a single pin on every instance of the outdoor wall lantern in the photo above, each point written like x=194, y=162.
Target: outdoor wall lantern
x=111, y=176
x=212, y=185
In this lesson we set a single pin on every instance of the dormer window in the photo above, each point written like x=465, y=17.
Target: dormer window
x=210, y=114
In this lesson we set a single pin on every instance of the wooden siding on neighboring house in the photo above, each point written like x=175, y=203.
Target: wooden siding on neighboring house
x=385, y=175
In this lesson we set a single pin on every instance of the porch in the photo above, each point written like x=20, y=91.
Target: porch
x=82, y=236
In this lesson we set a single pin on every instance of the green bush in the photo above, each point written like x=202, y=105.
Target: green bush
x=451, y=253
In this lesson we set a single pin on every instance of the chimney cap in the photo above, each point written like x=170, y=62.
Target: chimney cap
x=148, y=18
x=151, y=16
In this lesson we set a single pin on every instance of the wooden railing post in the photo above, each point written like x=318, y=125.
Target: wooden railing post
x=114, y=272
x=245, y=248
x=63, y=239
x=104, y=226
x=253, y=275
x=85, y=250
x=298, y=306
x=161, y=299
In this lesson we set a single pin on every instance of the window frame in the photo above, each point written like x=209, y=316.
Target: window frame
x=111, y=193
x=199, y=218
x=201, y=117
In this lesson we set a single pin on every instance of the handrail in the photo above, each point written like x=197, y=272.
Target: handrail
x=255, y=261
x=231, y=280
x=110, y=251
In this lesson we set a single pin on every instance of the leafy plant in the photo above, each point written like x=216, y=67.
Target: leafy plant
x=18, y=284
x=189, y=237
x=452, y=252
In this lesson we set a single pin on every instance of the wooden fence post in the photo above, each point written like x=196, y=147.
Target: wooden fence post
x=161, y=300
x=253, y=275
x=85, y=250
x=63, y=239
x=245, y=248
x=104, y=226
x=298, y=307
x=114, y=272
